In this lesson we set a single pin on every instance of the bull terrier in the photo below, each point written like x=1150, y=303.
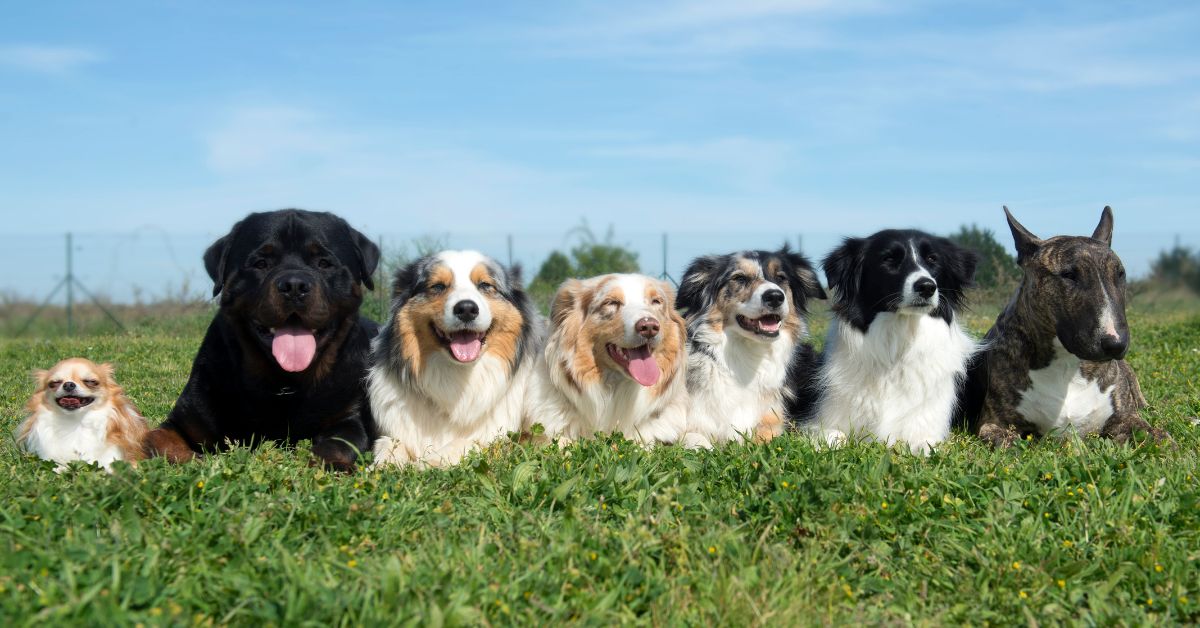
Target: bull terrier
x=1054, y=359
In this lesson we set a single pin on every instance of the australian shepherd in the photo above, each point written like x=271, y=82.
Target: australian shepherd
x=615, y=361
x=78, y=412
x=896, y=353
x=745, y=316
x=451, y=367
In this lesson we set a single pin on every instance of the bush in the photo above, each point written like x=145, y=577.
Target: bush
x=997, y=269
x=589, y=258
x=1177, y=267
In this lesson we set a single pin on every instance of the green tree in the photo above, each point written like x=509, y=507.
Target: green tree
x=1177, y=266
x=590, y=257
x=997, y=268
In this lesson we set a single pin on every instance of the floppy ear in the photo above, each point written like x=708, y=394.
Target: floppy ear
x=1027, y=243
x=368, y=258
x=697, y=287
x=1104, y=230
x=214, y=261
x=808, y=282
x=968, y=260
x=843, y=267
x=566, y=301
x=405, y=283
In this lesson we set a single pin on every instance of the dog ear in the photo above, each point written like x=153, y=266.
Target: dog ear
x=404, y=286
x=1027, y=243
x=214, y=260
x=107, y=372
x=1104, y=230
x=41, y=378
x=843, y=267
x=697, y=287
x=968, y=261
x=806, y=277
x=368, y=257
x=566, y=301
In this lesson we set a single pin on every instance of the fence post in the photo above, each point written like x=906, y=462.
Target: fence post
x=70, y=290
x=510, y=251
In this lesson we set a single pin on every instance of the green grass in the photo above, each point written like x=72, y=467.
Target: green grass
x=603, y=532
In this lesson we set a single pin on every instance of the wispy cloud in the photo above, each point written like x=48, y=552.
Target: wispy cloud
x=47, y=59
x=743, y=162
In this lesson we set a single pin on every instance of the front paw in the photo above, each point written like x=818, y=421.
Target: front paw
x=998, y=436
x=334, y=455
x=167, y=443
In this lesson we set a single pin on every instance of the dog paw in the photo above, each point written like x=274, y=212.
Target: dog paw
x=998, y=437
x=834, y=438
x=691, y=440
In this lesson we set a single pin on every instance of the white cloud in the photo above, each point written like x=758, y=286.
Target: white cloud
x=47, y=59
x=745, y=162
x=255, y=139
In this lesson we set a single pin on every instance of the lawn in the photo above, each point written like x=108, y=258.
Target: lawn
x=604, y=532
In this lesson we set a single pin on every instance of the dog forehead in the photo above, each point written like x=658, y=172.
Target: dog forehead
x=1061, y=250
x=74, y=368
x=291, y=230
x=469, y=266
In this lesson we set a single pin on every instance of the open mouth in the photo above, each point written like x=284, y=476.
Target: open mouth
x=763, y=326
x=73, y=402
x=638, y=362
x=293, y=344
x=465, y=345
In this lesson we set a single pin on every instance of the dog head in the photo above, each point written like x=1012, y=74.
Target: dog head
x=1079, y=287
x=290, y=278
x=461, y=305
x=72, y=385
x=900, y=271
x=758, y=294
x=625, y=324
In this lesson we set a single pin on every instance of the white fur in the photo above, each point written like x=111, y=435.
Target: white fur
x=461, y=263
x=67, y=436
x=895, y=383
x=1060, y=399
x=616, y=403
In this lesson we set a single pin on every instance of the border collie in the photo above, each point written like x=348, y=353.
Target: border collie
x=615, y=362
x=896, y=354
x=452, y=365
x=78, y=412
x=745, y=316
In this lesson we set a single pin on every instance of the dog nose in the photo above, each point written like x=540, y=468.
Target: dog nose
x=68, y=386
x=925, y=287
x=647, y=327
x=466, y=311
x=1114, y=346
x=773, y=298
x=293, y=285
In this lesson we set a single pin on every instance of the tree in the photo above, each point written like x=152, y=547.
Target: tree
x=1175, y=267
x=590, y=257
x=997, y=268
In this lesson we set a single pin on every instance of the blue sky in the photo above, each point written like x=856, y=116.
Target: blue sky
x=766, y=117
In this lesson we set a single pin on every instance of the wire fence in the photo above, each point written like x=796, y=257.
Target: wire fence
x=151, y=265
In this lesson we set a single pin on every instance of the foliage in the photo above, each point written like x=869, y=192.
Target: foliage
x=997, y=268
x=1177, y=267
x=590, y=257
x=603, y=532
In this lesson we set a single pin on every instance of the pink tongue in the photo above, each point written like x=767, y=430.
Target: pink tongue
x=769, y=326
x=466, y=345
x=294, y=348
x=643, y=367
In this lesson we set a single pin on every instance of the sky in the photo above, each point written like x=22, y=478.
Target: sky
x=725, y=124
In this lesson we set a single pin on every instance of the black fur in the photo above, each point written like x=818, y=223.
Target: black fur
x=236, y=391
x=867, y=274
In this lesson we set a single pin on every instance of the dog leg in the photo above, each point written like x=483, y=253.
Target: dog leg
x=169, y=444
x=998, y=436
x=1121, y=428
x=338, y=446
x=769, y=427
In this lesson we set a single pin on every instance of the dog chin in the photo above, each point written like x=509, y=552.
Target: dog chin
x=918, y=308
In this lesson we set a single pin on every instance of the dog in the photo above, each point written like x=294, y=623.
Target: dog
x=615, y=361
x=452, y=365
x=745, y=315
x=1054, y=360
x=896, y=354
x=285, y=357
x=78, y=412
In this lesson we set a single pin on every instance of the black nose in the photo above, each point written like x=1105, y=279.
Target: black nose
x=293, y=285
x=1114, y=346
x=68, y=386
x=466, y=311
x=773, y=298
x=925, y=287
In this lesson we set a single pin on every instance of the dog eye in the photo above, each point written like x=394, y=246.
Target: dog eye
x=485, y=287
x=1070, y=274
x=91, y=383
x=261, y=264
x=739, y=280
x=613, y=303
x=781, y=278
x=656, y=301
x=932, y=258
x=55, y=383
x=437, y=288
x=324, y=263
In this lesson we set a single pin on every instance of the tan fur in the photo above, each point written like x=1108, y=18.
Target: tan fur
x=505, y=334
x=670, y=353
x=414, y=323
x=571, y=304
x=770, y=426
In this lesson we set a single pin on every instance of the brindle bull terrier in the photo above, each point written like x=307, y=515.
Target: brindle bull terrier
x=1054, y=359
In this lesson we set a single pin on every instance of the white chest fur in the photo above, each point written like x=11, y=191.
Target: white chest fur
x=736, y=385
x=898, y=382
x=80, y=436
x=1061, y=399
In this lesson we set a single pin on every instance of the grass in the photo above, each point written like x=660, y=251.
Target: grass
x=603, y=532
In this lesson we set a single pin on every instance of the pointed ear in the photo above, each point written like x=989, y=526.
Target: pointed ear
x=697, y=286
x=810, y=284
x=214, y=261
x=1027, y=243
x=1104, y=230
x=566, y=301
x=41, y=378
x=843, y=267
x=368, y=258
x=107, y=371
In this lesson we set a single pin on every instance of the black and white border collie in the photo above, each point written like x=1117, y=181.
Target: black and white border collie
x=452, y=365
x=896, y=354
x=745, y=316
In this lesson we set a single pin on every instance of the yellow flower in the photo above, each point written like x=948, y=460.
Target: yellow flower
x=785, y=484
x=1158, y=568
x=712, y=549
x=1183, y=599
x=603, y=506
x=352, y=563
x=156, y=611
x=1149, y=601
x=1049, y=476
x=884, y=505
x=1062, y=584
x=593, y=556
x=1016, y=566
x=200, y=484
x=1022, y=595
x=1046, y=515
x=1067, y=543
